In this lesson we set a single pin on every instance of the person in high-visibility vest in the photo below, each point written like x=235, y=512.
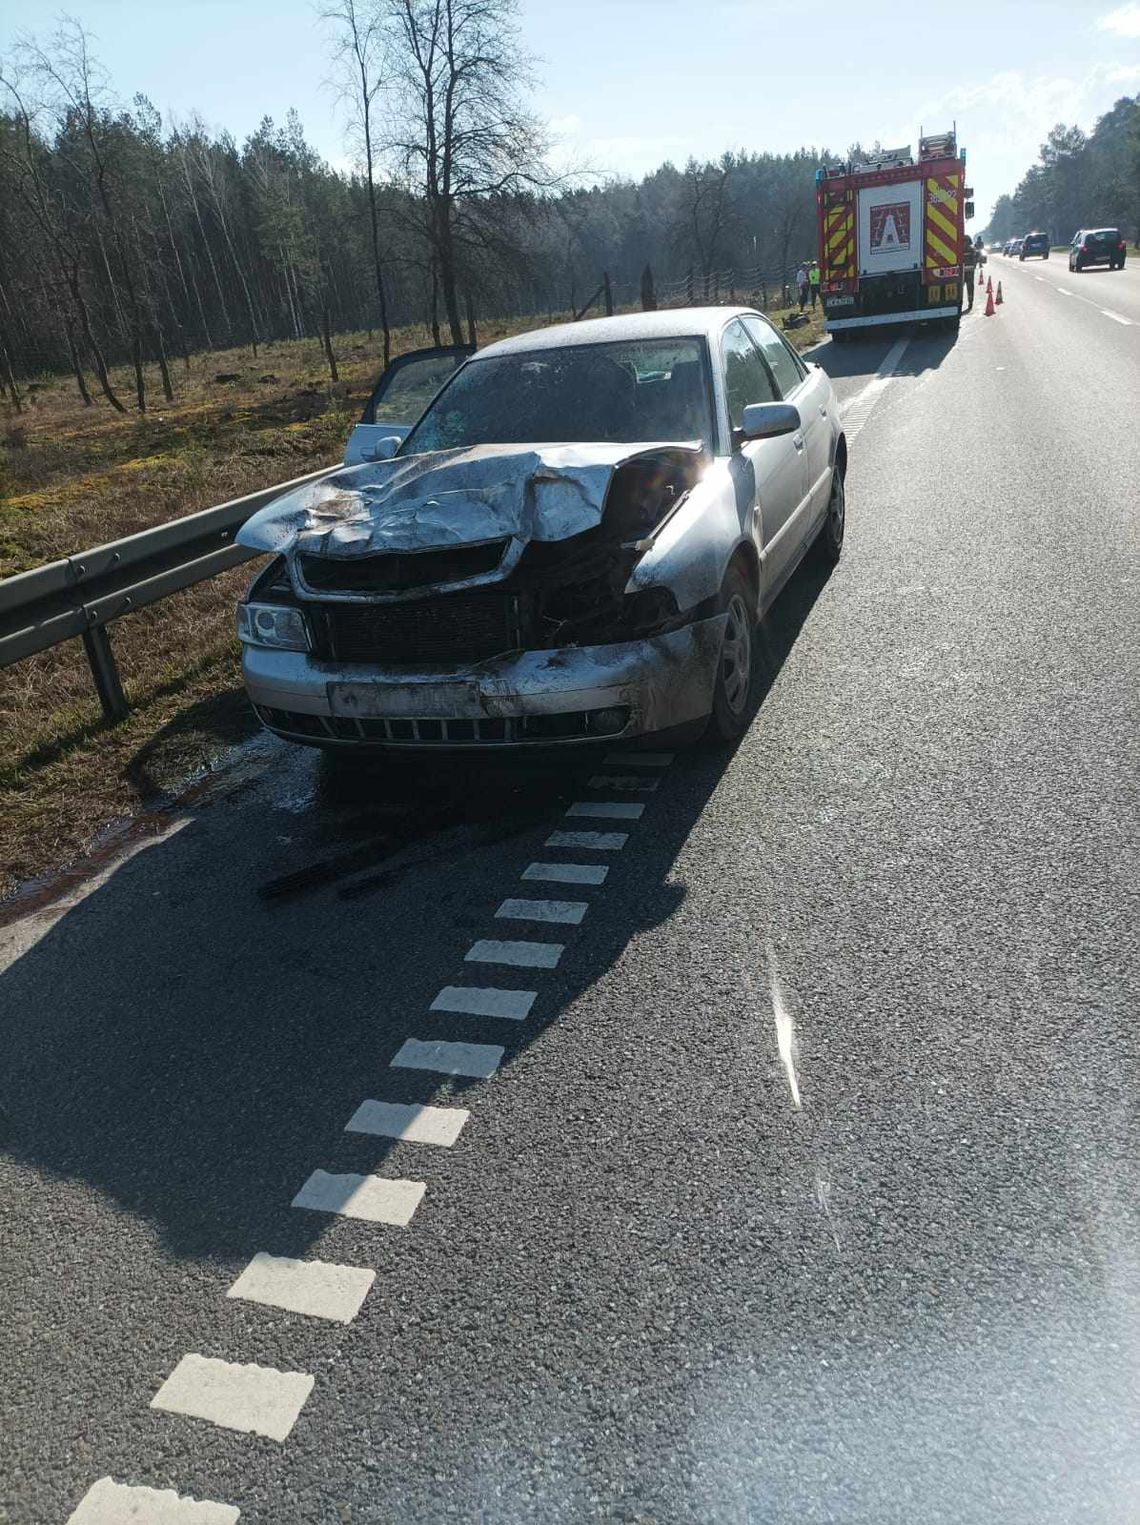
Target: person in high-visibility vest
x=969, y=265
x=813, y=281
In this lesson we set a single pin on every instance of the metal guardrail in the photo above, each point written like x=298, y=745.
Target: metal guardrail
x=80, y=595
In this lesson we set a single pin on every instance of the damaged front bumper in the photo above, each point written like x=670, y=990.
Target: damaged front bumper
x=570, y=695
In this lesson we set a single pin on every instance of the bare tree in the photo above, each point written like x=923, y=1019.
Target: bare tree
x=359, y=43
x=24, y=157
x=458, y=129
x=706, y=209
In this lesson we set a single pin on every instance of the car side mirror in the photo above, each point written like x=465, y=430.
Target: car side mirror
x=768, y=420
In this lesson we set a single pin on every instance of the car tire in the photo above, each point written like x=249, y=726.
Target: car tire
x=1021, y=257
x=827, y=547
x=734, y=690
x=1045, y=255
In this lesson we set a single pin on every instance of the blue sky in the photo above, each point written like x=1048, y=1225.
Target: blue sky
x=629, y=83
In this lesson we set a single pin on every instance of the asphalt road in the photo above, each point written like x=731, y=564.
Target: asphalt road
x=643, y=1284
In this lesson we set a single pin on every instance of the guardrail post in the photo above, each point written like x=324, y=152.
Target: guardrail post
x=97, y=645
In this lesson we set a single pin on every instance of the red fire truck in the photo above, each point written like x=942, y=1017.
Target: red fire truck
x=891, y=236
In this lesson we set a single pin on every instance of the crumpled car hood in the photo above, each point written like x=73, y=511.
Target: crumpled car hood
x=449, y=497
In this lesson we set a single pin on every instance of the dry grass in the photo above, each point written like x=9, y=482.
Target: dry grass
x=72, y=477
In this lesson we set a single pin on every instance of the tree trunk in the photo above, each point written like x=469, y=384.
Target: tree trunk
x=80, y=380
x=326, y=335
x=167, y=389
x=9, y=377
x=89, y=339
x=137, y=362
x=471, y=337
x=435, y=334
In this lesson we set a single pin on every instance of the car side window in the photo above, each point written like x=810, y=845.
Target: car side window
x=746, y=377
x=782, y=360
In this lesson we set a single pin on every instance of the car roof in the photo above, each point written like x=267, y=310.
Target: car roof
x=672, y=323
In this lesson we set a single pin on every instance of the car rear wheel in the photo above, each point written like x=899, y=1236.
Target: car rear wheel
x=735, y=687
x=828, y=544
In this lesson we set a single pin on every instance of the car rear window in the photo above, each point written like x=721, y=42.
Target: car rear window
x=1103, y=236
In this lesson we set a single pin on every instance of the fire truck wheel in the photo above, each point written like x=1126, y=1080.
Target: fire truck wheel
x=828, y=544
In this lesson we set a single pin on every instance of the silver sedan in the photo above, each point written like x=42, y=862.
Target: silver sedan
x=567, y=537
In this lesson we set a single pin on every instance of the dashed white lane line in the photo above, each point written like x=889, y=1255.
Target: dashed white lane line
x=1040, y=278
x=599, y=841
x=625, y=781
x=565, y=912
x=485, y=1001
x=312, y=1287
x=1063, y=291
x=256, y=1399
x=565, y=873
x=376, y=1199
x=489, y=950
x=110, y=1503
x=607, y=810
x=1117, y=317
x=411, y=1123
x=640, y=759
x=477, y=1060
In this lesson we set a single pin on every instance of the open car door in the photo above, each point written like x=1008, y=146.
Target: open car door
x=398, y=399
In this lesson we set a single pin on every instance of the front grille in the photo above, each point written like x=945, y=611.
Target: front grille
x=397, y=572
x=514, y=730
x=461, y=627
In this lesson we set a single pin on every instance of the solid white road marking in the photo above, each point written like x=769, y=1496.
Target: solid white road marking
x=478, y=1060
x=257, y=1399
x=856, y=413
x=376, y=1199
x=411, y=1123
x=110, y=1503
x=304, y=1286
x=1040, y=278
x=566, y=912
x=489, y=950
x=1117, y=317
x=608, y=810
x=485, y=1001
x=640, y=759
x=566, y=873
x=624, y=781
x=600, y=841
x=1063, y=292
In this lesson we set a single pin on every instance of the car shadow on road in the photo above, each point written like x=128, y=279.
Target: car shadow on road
x=191, y=1037
x=862, y=357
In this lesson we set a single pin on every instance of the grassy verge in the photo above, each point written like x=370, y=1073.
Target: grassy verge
x=73, y=477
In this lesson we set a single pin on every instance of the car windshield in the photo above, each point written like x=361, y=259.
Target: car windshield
x=624, y=393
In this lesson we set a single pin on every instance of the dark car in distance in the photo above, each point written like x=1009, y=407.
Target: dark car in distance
x=1097, y=246
x=1034, y=246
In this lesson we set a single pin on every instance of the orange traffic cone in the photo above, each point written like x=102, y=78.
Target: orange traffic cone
x=990, y=308
x=998, y=298
x=990, y=286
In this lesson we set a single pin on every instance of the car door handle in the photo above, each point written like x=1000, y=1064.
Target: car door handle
x=822, y=410
x=798, y=441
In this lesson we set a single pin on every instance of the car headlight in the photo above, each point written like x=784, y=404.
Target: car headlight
x=272, y=625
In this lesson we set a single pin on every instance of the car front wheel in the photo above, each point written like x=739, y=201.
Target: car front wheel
x=735, y=687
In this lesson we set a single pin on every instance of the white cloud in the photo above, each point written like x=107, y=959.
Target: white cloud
x=1126, y=74
x=1004, y=120
x=1124, y=21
